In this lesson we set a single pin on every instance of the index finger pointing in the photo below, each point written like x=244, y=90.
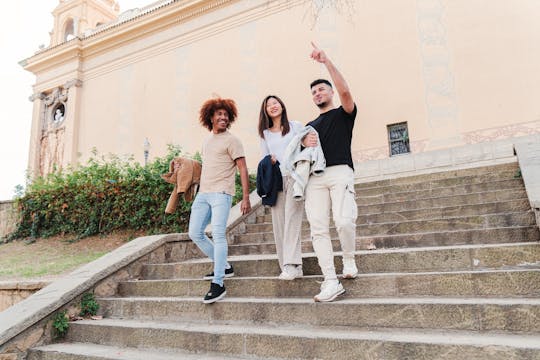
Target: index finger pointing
x=314, y=46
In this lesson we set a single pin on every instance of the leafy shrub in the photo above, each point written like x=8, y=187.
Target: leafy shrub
x=89, y=305
x=60, y=324
x=104, y=195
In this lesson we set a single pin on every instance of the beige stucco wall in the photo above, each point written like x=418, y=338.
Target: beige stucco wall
x=457, y=71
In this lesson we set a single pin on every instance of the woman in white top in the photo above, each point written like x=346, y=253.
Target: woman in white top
x=276, y=131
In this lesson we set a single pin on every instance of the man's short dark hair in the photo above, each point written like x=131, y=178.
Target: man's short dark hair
x=320, y=81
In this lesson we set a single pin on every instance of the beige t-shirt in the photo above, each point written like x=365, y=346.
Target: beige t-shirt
x=219, y=152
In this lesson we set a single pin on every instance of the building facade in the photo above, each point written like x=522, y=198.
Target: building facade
x=426, y=74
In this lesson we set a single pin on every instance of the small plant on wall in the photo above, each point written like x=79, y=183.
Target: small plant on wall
x=60, y=324
x=89, y=305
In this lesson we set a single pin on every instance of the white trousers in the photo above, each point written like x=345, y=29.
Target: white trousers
x=287, y=216
x=332, y=190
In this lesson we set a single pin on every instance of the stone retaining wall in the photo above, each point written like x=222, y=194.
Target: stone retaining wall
x=29, y=322
x=12, y=292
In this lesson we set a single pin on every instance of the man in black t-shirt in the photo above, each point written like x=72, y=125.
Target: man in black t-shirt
x=335, y=188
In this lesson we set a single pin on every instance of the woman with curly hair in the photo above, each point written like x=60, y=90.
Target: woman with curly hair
x=222, y=154
x=276, y=131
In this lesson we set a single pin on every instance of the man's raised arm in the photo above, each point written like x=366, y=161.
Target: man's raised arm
x=342, y=88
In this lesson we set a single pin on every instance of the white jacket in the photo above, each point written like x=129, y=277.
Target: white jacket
x=294, y=155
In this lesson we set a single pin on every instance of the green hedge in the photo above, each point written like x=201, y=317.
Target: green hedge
x=104, y=195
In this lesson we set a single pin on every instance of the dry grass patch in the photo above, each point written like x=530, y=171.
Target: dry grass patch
x=52, y=257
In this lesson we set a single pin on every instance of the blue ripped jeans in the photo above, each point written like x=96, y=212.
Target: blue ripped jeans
x=214, y=207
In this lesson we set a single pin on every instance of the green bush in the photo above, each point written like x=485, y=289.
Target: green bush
x=104, y=195
x=60, y=324
x=89, y=305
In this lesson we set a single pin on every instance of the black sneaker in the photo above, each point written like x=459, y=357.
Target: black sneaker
x=216, y=293
x=228, y=273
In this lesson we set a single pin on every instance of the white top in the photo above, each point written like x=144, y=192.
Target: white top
x=274, y=143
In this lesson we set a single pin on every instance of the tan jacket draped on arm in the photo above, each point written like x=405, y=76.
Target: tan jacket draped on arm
x=185, y=174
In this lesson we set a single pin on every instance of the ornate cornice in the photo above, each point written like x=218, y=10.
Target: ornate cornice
x=121, y=33
x=37, y=96
x=69, y=51
x=57, y=93
x=71, y=83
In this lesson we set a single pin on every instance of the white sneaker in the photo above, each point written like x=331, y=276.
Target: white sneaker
x=330, y=289
x=291, y=272
x=350, y=271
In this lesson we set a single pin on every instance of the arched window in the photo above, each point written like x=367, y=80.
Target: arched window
x=69, y=31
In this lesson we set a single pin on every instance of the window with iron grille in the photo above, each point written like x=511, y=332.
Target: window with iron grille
x=398, y=139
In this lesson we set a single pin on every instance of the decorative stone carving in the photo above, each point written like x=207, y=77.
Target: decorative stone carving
x=53, y=119
x=74, y=82
x=51, y=150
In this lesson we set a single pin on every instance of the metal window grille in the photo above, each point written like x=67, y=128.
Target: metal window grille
x=398, y=139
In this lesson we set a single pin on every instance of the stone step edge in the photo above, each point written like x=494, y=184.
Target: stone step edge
x=430, y=300
x=502, y=175
x=390, y=223
x=363, y=252
x=338, y=333
x=504, y=164
x=417, y=220
x=535, y=269
x=519, y=186
x=445, y=207
x=124, y=353
x=380, y=236
x=519, y=199
x=509, y=165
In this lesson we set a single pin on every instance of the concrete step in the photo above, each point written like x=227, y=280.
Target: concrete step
x=415, y=226
x=459, y=198
x=447, y=258
x=442, y=201
x=388, y=215
x=449, y=224
x=509, y=170
x=379, y=205
x=474, y=314
x=368, y=189
x=514, y=184
x=371, y=213
x=88, y=351
x=306, y=342
x=480, y=283
x=464, y=201
x=454, y=237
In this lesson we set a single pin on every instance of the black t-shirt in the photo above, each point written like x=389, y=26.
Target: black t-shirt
x=335, y=133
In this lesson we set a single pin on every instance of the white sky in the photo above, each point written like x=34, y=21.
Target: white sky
x=24, y=25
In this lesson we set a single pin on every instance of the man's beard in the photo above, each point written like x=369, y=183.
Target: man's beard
x=322, y=105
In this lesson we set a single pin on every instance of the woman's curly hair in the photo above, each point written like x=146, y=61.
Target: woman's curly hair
x=211, y=106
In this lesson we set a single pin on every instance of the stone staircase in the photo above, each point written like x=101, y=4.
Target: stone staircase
x=456, y=275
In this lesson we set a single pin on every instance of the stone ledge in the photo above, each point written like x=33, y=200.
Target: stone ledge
x=21, y=316
x=462, y=157
x=24, y=285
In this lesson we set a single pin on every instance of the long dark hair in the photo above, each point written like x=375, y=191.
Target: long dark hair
x=265, y=122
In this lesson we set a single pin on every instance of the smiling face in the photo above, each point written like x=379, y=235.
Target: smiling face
x=220, y=121
x=322, y=95
x=273, y=108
